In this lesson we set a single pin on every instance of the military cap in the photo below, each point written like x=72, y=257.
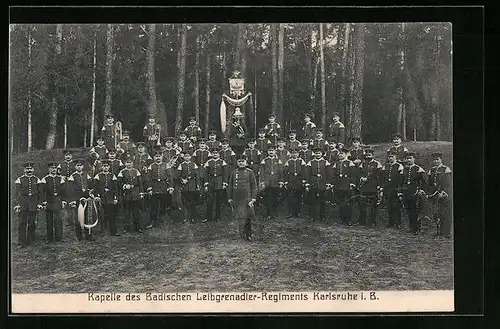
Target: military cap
x=141, y=144
x=168, y=139
x=294, y=150
x=307, y=115
x=271, y=147
x=202, y=140
x=397, y=136
x=281, y=140
x=344, y=150
x=152, y=116
x=79, y=162
x=317, y=149
x=272, y=115
x=182, y=133
x=409, y=154
x=112, y=150
x=305, y=142
x=262, y=130
x=356, y=139
x=335, y=114
x=158, y=152
x=214, y=150
x=391, y=153
x=212, y=133
x=126, y=133
x=225, y=141
x=318, y=131
x=332, y=142
x=100, y=138
x=28, y=164
x=250, y=141
x=67, y=152
x=292, y=132
x=437, y=155
x=108, y=116
x=52, y=164
x=127, y=157
x=105, y=162
x=368, y=152
x=192, y=119
x=242, y=157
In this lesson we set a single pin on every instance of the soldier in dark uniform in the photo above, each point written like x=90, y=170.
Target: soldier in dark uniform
x=413, y=181
x=159, y=185
x=216, y=174
x=273, y=130
x=130, y=185
x=271, y=179
x=142, y=159
x=212, y=142
x=281, y=152
x=319, y=142
x=67, y=167
x=336, y=128
x=332, y=155
x=126, y=145
x=81, y=184
x=305, y=152
x=390, y=184
x=308, y=129
x=398, y=148
x=253, y=156
x=356, y=154
x=369, y=185
x=169, y=151
x=295, y=176
x=262, y=143
x=28, y=203
x=440, y=192
x=292, y=143
x=106, y=185
x=202, y=154
x=185, y=144
x=108, y=132
x=193, y=129
x=189, y=174
x=99, y=151
x=227, y=154
x=52, y=192
x=115, y=165
x=237, y=136
x=242, y=193
x=318, y=177
x=345, y=177
x=150, y=133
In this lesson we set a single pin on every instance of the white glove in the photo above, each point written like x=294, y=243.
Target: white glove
x=141, y=195
x=224, y=185
x=352, y=185
x=170, y=190
x=72, y=204
x=17, y=208
x=250, y=204
x=184, y=181
x=115, y=201
x=64, y=203
x=39, y=207
x=230, y=201
x=363, y=179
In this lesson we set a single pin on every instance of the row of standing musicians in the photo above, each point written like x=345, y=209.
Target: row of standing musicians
x=132, y=178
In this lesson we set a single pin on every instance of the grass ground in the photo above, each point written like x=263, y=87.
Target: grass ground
x=292, y=254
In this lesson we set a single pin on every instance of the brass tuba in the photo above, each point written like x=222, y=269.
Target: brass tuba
x=118, y=132
x=158, y=134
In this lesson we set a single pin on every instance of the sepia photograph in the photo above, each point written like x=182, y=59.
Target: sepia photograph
x=271, y=161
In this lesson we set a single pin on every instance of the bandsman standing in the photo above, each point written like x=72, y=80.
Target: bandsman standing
x=151, y=133
x=392, y=175
x=130, y=184
x=160, y=185
x=193, y=129
x=273, y=130
x=332, y=155
x=108, y=132
x=440, y=192
x=305, y=152
x=126, y=145
x=253, y=157
x=67, y=167
x=227, y=154
x=202, y=154
x=308, y=129
x=142, y=159
x=212, y=142
x=271, y=180
x=318, y=179
x=293, y=143
x=369, y=186
x=106, y=185
x=189, y=175
x=413, y=182
x=242, y=193
x=216, y=173
x=345, y=178
x=398, y=148
x=262, y=143
x=185, y=144
x=169, y=151
x=356, y=154
x=237, y=136
x=115, y=165
x=295, y=176
x=52, y=192
x=336, y=128
x=281, y=152
x=28, y=203
x=81, y=184
x=99, y=151
x=319, y=142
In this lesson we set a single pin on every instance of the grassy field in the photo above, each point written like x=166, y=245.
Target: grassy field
x=291, y=254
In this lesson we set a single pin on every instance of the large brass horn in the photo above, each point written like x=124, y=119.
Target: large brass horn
x=158, y=135
x=118, y=132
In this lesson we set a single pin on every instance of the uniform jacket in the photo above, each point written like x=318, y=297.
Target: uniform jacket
x=191, y=172
x=254, y=156
x=142, y=161
x=213, y=144
x=295, y=172
x=345, y=172
x=336, y=130
x=200, y=157
x=168, y=154
x=53, y=191
x=80, y=184
x=318, y=173
x=115, y=166
x=229, y=156
x=186, y=146
x=391, y=176
x=234, y=139
x=413, y=179
x=356, y=154
x=271, y=171
x=109, y=134
x=400, y=152
x=372, y=170
x=319, y=143
x=101, y=151
x=193, y=130
x=149, y=131
x=66, y=168
x=272, y=129
x=159, y=177
x=126, y=147
x=216, y=173
x=308, y=130
x=242, y=186
x=132, y=177
x=293, y=144
x=439, y=179
x=306, y=155
x=27, y=192
x=262, y=144
x=106, y=186
x=332, y=155
x=283, y=154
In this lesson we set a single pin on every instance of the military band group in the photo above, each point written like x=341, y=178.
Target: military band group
x=163, y=174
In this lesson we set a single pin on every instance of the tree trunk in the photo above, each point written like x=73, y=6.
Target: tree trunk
x=181, y=79
x=30, y=126
x=51, y=136
x=358, y=80
x=344, y=67
x=350, y=92
x=323, y=82
x=197, y=81
x=281, y=57
x=207, y=95
x=240, y=49
x=438, y=91
x=274, y=69
x=309, y=62
x=151, y=71
x=109, y=69
x=94, y=72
